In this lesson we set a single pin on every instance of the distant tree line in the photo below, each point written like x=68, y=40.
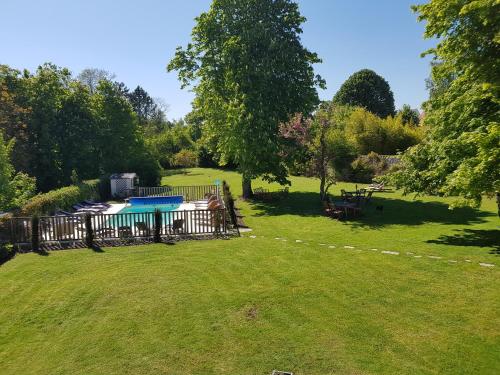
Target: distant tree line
x=59, y=127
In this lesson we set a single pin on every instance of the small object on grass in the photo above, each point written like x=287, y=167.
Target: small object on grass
x=276, y=372
x=486, y=265
x=390, y=252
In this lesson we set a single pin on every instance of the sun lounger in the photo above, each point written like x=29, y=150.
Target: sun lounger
x=378, y=187
x=94, y=205
x=79, y=207
x=90, y=203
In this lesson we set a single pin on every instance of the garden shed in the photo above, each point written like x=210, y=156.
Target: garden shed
x=123, y=184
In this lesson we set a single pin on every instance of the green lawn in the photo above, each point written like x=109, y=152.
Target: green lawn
x=253, y=304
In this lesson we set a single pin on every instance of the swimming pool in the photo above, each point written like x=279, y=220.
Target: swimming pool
x=143, y=209
x=156, y=201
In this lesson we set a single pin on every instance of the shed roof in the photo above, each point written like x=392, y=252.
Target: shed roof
x=122, y=176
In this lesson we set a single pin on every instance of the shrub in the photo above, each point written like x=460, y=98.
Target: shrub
x=61, y=199
x=366, y=167
x=6, y=252
x=361, y=171
x=388, y=136
x=185, y=159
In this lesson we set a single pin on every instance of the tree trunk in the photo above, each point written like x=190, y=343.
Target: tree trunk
x=247, y=187
x=322, y=191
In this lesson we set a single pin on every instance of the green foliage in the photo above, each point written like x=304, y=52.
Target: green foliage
x=409, y=116
x=61, y=199
x=368, y=90
x=142, y=104
x=186, y=159
x=62, y=126
x=387, y=136
x=366, y=167
x=336, y=135
x=461, y=155
x=7, y=252
x=15, y=188
x=314, y=142
x=250, y=73
x=170, y=141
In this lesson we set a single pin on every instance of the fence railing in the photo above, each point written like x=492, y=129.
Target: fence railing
x=120, y=226
x=190, y=193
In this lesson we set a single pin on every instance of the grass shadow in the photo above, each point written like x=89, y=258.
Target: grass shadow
x=472, y=237
x=416, y=212
x=42, y=252
x=395, y=211
x=97, y=249
x=173, y=172
x=296, y=203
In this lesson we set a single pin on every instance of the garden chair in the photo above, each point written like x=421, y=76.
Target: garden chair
x=332, y=211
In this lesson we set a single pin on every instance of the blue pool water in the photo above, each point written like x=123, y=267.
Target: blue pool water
x=156, y=201
x=143, y=210
x=149, y=208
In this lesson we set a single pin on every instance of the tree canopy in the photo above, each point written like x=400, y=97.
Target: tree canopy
x=368, y=90
x=250, y=73
x=461, y=155
x=408, y=115
x=60, y=126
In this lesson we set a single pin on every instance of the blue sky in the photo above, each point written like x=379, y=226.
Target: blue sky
x=136, y=39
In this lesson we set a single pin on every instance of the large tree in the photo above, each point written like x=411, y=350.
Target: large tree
x=461, y=155
x=91, y=77
x=143, y=104
x=250, y=73
x=120, y=142
x=368, y=90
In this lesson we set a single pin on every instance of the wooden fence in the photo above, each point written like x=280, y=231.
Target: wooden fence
x=190, y=193
x=120, y=226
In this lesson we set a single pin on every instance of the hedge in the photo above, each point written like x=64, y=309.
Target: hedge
x=61, y=199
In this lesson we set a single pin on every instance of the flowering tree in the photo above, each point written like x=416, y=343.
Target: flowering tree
x=309, y=140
